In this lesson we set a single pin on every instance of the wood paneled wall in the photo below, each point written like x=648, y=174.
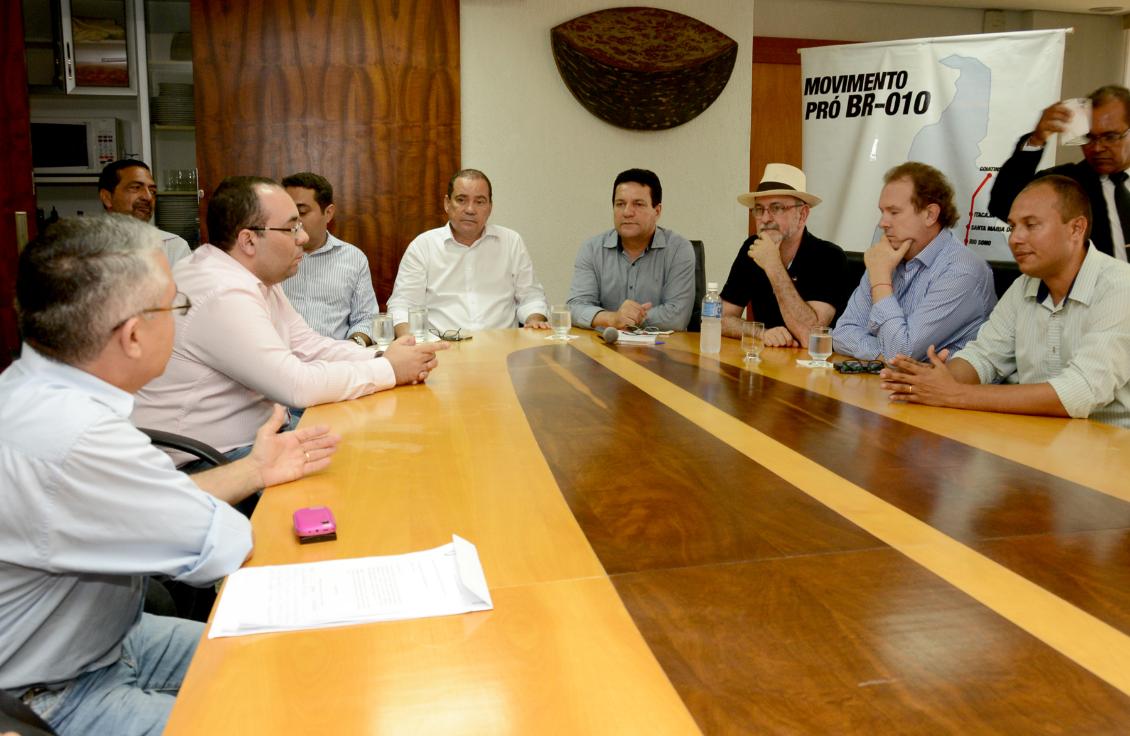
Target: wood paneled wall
x=364, y=93
x=775, y=105
x=16, y=191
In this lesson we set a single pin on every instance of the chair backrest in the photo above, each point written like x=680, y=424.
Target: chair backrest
x=699, y=285
x=187, y=445
x=15, y=715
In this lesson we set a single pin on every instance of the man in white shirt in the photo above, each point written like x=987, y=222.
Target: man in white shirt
x=126, y=186
x=470, y=275
x=332, y=290
x=1059, y=340
x=90, y=507
x=241, y=348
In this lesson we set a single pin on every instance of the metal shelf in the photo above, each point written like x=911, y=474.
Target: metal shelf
x=75, y=179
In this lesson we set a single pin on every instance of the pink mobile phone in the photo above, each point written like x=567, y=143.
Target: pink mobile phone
x=315, y=524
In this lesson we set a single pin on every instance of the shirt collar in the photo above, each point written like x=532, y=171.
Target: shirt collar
x=52, y=371
x=934, y=248
x=658, y=239
x=488, y=232
x=330, y=244
x=1082, y=288
x=222, y=259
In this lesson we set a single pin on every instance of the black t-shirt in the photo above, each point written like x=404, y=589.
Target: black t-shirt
x=819, y=272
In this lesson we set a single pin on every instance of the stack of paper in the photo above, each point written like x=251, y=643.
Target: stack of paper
x=436, y=582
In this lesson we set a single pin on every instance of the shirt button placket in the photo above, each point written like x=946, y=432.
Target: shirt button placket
x=1054, y=355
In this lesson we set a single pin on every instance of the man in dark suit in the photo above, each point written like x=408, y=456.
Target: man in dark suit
x=1102, y=173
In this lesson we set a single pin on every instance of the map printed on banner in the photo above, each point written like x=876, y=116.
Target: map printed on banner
x=959, y=104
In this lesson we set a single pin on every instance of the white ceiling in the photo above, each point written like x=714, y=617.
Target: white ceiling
x=1110, y=7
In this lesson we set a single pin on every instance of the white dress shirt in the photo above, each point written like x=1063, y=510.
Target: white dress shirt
x=488, y=284
x=1080, y=346
x=240, y=349
x=90, y=507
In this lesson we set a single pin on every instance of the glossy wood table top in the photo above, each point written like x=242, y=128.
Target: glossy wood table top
x=676, y=543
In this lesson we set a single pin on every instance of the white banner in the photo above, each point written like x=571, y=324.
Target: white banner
x=957, y=103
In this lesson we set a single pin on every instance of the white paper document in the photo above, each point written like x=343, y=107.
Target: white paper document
x=435, y=582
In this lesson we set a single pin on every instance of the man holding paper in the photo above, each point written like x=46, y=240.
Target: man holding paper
x=1102, y=173
x=91, y=508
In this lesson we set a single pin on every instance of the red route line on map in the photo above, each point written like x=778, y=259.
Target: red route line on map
x=973, y=199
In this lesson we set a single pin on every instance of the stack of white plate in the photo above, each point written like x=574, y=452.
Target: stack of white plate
x=179, y=215
x=173, y=105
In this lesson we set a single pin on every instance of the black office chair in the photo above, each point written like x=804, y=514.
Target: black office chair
x=187, y=601
x=15, y=715
x=699, y=285
x=200, y=451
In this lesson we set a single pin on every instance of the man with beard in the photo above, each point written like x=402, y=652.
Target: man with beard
x=127, y=187
x=791, y=280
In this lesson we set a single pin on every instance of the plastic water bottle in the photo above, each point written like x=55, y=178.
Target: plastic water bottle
x=710, y=334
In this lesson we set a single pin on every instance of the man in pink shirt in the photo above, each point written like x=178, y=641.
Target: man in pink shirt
x=241, y=346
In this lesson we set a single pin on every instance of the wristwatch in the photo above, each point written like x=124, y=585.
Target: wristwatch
x=360, y=340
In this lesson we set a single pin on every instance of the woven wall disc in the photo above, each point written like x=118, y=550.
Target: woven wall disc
x=643, y=68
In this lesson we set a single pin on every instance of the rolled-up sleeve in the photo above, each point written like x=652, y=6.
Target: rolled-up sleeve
x=677, y=286
x=1100, y=362
x=363, y=301
x=410, y=288
x=584, y=291
x=528, y=292
x=127, y=511
x=251, y=352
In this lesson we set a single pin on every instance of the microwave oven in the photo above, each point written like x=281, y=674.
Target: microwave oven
x=74, y=145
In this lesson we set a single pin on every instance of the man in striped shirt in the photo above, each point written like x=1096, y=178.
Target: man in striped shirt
x=1061, y=331
x=332, y=290
x=922, y=286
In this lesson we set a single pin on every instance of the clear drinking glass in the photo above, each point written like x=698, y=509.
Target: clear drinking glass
x=418, y=323
x=820, y=347
x=383, y=332
x=560, y=319
x=753, y=334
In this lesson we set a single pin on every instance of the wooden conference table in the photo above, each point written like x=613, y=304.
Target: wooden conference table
x=676, y=544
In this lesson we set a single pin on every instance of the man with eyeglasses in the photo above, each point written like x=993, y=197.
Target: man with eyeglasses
x=90, y=507
x=470, y=275
x=242, y=347
x=126, y=186
x=789, y=279
x=333, y=290
x=1102, y=173
x=637, y=274
x=1058, y=344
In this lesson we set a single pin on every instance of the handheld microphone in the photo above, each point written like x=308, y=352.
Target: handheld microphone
x=611, y=335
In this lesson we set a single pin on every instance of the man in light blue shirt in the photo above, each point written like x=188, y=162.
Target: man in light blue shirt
x=91, y=508
x=333, y=290
x=637, y=274
x=1059, y=341
x=922, y=287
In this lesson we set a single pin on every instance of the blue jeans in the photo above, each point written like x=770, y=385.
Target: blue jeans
x=239, y=452
x=132, y=696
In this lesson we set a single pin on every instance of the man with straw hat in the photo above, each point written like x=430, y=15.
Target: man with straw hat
x=791, y=280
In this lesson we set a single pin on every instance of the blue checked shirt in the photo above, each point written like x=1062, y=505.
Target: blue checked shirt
x=941, y=297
